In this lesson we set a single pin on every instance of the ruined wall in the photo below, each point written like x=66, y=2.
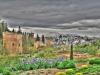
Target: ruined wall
x=13, y=42
x=48, y=41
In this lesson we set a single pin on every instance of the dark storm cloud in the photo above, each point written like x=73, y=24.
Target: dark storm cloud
x=52, y=14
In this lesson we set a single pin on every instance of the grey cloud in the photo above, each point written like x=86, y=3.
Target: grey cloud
x=50, y=13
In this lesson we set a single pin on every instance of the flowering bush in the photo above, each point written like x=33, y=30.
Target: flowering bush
x=60, y=73
x=79, y=73
x=84, y=66
x=69, y=71
x=37, y=63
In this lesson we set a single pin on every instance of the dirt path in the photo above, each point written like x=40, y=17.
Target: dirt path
x=52, y=71
x=66, y=54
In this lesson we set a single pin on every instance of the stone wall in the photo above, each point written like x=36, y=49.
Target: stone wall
x=48, y=41
x=38, y=44
x=12, y=42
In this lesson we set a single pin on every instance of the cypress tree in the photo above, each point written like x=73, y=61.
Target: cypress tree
x=43, y=39
x=37, y=38
x=19, y=30
x=71, y=52
x=13, y=30
x=3, y=27
x=6, y=27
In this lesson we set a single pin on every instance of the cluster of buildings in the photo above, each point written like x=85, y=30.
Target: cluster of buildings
x=69, y=38
x=13, y=40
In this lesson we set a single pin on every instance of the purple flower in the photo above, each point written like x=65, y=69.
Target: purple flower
x=47, y=60
x=60, y=58
x=22, y=60
x=34, y=59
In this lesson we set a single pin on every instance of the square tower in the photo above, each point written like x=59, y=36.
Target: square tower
x=13, y=42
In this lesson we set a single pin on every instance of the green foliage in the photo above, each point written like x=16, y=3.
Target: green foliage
x=84, y=70
x=3, y=50
x=94, y=61
x=96, y=43
x=89, y=48
x=62, y=64
x=6, y=61
x=92, y=50
x=7, y=72
x=1, y=69
x=47, y=52
x=71, y=64
x=81, y=48
x=28, y=44
x=65, y=64
x=36, y=63
x=41, y=54
x=3, y=28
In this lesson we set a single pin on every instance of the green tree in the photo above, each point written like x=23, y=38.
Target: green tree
x=71, y=52
x=19, y=30
x=92, y=50
x=3, y=50
x=13, y=30
x=37, y=38
x=6, y=28
x=43, y=39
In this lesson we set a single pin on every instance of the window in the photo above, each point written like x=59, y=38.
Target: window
x=12, y=44
x=19, y=44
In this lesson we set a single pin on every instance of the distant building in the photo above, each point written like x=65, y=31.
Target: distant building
x=38, y=44
x=48, y=41
x=13, y=42
x=30, y=35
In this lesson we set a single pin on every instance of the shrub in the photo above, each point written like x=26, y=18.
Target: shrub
x=69, y=71
x=71, y=64
x=92, y=50
x=65, y=64
x=7, y=72
x=81, y=48
x=60, y=73
x=94, y=61
x=1, y=70
x=62, y=64
x=47, y=52
x=79, y=73
x=84, y=66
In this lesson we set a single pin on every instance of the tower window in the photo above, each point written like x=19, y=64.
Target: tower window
x=12, y=44
x=19, y=44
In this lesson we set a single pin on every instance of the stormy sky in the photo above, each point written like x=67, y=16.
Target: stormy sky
x=42, y=16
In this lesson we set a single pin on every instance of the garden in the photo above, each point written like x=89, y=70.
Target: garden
x=52, y=66
x=48, y=62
